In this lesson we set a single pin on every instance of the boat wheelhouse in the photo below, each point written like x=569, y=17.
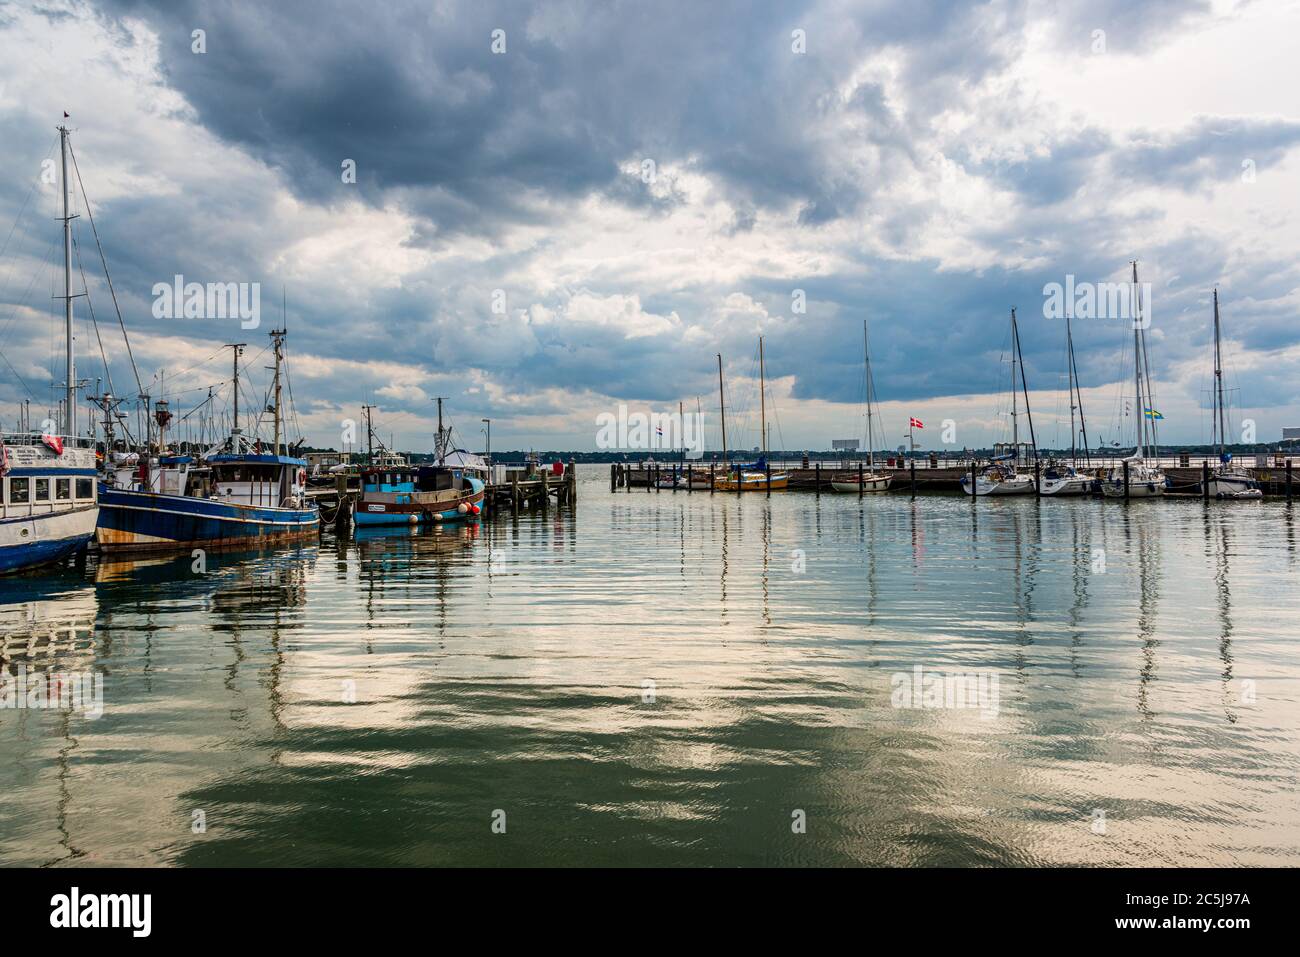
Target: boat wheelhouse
x=411, y=494
x=48, y=500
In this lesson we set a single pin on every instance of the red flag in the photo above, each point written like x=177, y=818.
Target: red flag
x=54, y=443
x=916, y=423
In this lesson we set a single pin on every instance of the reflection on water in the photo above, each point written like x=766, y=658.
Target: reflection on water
x=665, y=677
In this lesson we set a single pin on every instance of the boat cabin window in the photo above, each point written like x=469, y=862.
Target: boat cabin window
x=85, y=488
x=63, y=489
x=247, y=473
x=435, y=480
x=42, y=490
x=18, y=490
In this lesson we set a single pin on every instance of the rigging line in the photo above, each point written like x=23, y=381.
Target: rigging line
x=36, y=274
x=91, y=217
x=12, y=229
x=94, y=323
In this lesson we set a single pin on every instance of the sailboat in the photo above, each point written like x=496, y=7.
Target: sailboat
x=237, y=496
x=446, y=491
x=50, y=503
x=1144, y=480
x=1002, y=476
x=869, y=480
x=1060, y=478
x=752, y=477
x=1227, y=480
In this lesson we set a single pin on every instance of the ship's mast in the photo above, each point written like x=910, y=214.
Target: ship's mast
x=70, y=406
x=235, y=348
x=440, y=444
x=762, y=396
x=866, y=360
x=277, y=337
x=1219, y=423
x=1015, y=417
x=722, y=403
x=1137, y=368
x=1024, y=384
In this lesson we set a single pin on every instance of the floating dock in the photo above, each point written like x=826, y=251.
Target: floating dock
x=933, y=474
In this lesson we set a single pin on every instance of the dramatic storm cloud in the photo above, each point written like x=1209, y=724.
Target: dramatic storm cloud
x=561, y=206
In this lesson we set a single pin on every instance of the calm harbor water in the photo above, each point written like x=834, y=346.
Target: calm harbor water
x=661, y=678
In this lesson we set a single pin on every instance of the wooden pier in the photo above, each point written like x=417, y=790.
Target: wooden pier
x=527, y=489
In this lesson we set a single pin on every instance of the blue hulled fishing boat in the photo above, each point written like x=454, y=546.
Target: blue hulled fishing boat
x=237, y=496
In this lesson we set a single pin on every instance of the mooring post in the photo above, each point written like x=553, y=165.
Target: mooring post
x=690, y=478
x=1038, y=477
x=973, y=487
x=1205, y=479
x=613, y=476
x=1288, y=480
x=713, y=476
x=546, y=489
x=860, y=478
x=817, y=477
x=1126, y=479
x=572, y=495
x=514, y=491
x=768, y=468
x=912, y=468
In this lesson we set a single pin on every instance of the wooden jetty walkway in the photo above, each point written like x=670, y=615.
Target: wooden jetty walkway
x=526, y=488
x=935, y=474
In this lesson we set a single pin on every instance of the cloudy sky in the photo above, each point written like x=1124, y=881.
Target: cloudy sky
x=586, y=207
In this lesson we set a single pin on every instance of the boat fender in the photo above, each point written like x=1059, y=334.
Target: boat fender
x=413, y=518
x=462, y=508
x=475, y=509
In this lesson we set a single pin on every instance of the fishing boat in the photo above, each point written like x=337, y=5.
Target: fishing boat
x=1227, y=481
x=1002, y=476
x=395, y=493
x=755, y=476
x=237, y=496
x=867, y=480
x=49, y=504
x=1138, y=478
x=1062, y=478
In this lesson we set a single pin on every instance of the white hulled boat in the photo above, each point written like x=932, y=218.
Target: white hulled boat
x=1003, y=477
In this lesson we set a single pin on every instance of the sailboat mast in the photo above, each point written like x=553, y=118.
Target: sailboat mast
x=1069, y=379
x=681, y=419
x=1015, y=419
x=1220, y=423
x=722, y=404
x=1137, y=369
x=762, y=395
x=70, y=409
x=866, y=359
x=1078, y=391
x=1024, y=384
